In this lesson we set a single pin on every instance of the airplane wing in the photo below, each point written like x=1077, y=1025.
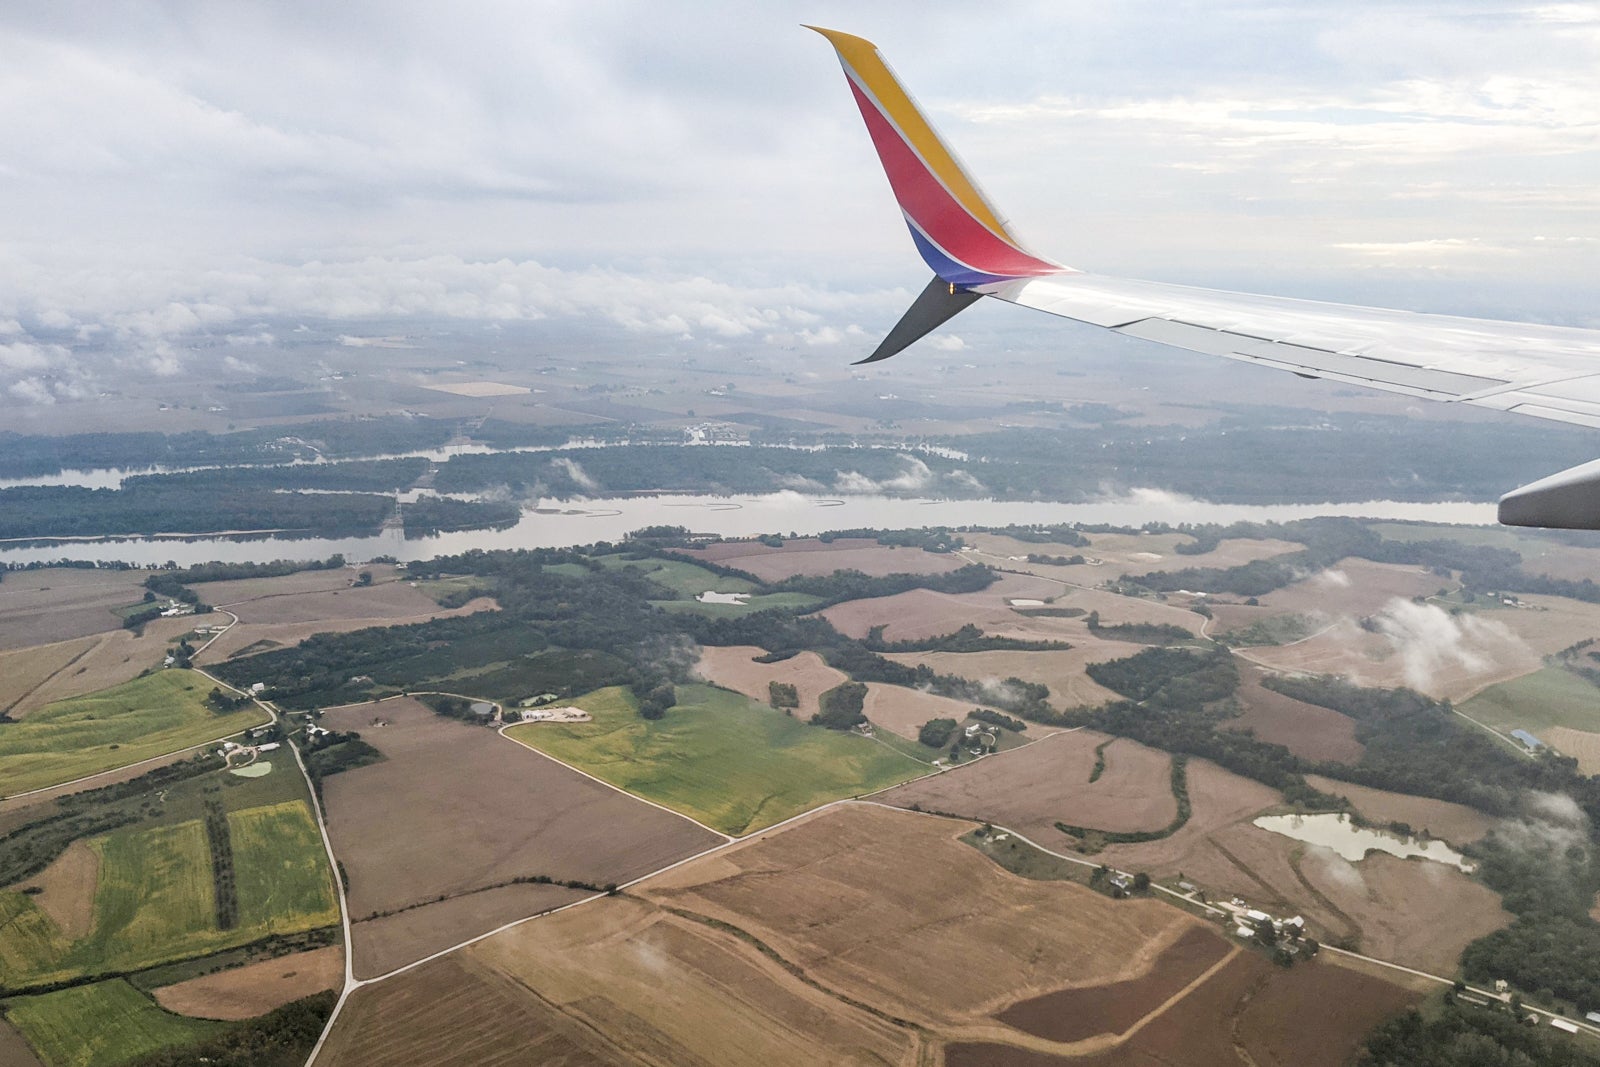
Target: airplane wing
x=1549, y=372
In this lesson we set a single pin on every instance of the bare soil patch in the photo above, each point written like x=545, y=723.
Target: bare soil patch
x=1455, y=823
x=34, y=677
x=1581, y=745
x=1309, y=731
x=807, y=555
x=1075, y=1014
x=674, y=990
x=256, y=988
x=734, y=667
x=1317, y=1015
x=889, y=908
x=456, y=807
x=383, y=944
x=14, y=1050
x=456, y=1011
x=287, y=634
x=67, y=889
x=1030, y=789
x=1062, y=672
x=57, y=604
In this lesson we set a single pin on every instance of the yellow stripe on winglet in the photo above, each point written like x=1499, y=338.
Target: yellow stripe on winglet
x=861, y=56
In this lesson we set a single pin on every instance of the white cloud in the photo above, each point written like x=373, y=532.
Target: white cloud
x=1432, y=643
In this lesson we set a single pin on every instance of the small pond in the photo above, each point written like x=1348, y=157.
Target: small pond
x=1335, y=830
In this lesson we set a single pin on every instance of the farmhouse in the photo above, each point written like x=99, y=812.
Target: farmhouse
x=1592, y=1016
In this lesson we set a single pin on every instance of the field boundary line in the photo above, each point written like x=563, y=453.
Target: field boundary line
x=138, y=763
x=502, y=732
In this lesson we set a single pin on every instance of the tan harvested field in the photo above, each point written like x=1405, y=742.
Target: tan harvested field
x=66, y=889
x=456, y=1012
x=393, y=941
x=1308, y=730
x=1062, y=671
x=734, y=667
x=1030, y=789
x=1581, y=745
x=1120, y=554
x=1217, y=798
x=30, y=678
x=226, y=594
x=678, y=991
x=903, y=711
x=58, y=604
x=807, y=555
x=1455, y=823
x=889, y=908
x=1355, y=587
x=456, y=808
x=288, y=634
x=256, y=988
x=255, y=600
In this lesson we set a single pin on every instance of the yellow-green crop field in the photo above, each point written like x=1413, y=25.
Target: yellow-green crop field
x=150, y=716
x=718, y=757
x=281, y=869
x=101, y=1025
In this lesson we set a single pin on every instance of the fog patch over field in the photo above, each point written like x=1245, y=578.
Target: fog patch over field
x=1333, y=578
x=1432, y=642
x=1334, y=867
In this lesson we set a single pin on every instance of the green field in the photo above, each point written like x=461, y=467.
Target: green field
x=792, y=601
x=718, y=757
x=154, y=904
x=150, y=716
x=281, y=869
x=1549, y=697
x=101, y=1025
x=682, y=577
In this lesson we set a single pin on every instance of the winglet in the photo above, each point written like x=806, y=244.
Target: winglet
x=955, y=227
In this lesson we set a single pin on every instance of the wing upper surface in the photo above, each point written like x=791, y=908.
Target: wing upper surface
x=1550, y=372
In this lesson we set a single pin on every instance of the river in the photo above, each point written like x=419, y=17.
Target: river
x=555, y=524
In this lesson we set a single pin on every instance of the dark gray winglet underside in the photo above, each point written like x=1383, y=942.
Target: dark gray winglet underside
x=936, y=305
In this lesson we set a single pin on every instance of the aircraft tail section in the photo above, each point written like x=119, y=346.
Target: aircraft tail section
x=955, y=227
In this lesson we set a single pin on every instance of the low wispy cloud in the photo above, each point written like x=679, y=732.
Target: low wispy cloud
x=1434, y=644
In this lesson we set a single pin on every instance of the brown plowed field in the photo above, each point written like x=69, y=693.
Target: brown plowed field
x=67, y=889
x=1076, y=1014
x=58, y=604
x=734, y=667
x=33, y=677
x=288, y=634
x=1581, y=745
x=889, y=908
x=14, y=1051
x=1316, y=1014
x=384, y=944
x=1309, y=731
x=903, y=711
x=1455, y=823
x=807, y=555
x=1063, y=672
x=455, y=1012
x=256, y=988
x=456, y=807
x=1030, y=789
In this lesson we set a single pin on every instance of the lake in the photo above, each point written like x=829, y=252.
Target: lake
x=1335, y=830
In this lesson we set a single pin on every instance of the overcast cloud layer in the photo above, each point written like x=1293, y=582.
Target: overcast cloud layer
x=699, y=170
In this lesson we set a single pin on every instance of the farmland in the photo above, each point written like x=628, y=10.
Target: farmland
x=57, y=604
x=719, y=758
x=455, y=809
x=1033, y=788
x=100, y=1025
x=734, y=667
x=1308, y=730
x=1062, y=671
x=31, y=678
x=283, y=876
x=807, y=555
x=146, y=717
x=1546, y=698
x=1581, y=745
x=1455, y=823
x=256, y=988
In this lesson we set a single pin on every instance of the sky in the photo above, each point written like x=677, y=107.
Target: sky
x=698, y=171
